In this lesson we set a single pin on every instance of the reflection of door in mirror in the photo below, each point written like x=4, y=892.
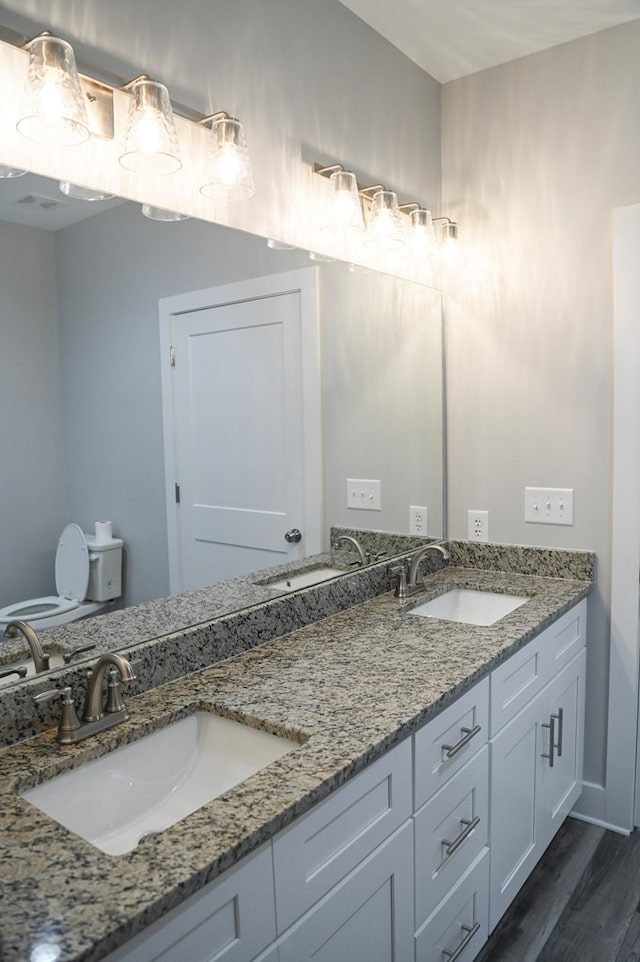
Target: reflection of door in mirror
x=234, y=405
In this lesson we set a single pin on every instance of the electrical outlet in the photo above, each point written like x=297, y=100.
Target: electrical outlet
x=364, y=494
x=548, y=505
x=478, y=525
x=418, y=520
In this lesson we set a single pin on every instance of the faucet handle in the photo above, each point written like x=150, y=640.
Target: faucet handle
x=402, y=590
x=80, y=650
x=114, y=692
x=68, y=720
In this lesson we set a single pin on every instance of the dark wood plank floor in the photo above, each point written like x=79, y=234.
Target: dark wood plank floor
x=581, y=903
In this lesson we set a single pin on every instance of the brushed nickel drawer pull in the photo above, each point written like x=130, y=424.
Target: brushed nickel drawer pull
x=451, y=847
x=560, y=717
x=552, y=739
x=468, y=734
x=470, y=932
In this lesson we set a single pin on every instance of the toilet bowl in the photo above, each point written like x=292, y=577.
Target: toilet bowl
x=88, y=576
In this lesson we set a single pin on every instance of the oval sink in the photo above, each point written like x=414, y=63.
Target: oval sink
x=470, y=607
x=143, y=788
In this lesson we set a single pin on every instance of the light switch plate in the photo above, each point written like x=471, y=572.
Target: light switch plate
x=548, y=505
x=364, y=494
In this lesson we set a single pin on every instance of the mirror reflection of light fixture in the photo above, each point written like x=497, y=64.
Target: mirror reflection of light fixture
x=6, y=172
x=276, y=245
x=320, y=258
x=150, y=142
x=162, y=214
x=52, y=110
x=343, y=213
x=384, y=228
x=227, y=175
x=78, y=192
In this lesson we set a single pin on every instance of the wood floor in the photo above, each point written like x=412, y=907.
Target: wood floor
x=581, y=903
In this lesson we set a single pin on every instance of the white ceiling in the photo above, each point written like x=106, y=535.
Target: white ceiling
x=453, y=38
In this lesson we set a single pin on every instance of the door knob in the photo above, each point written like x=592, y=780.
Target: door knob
x=293, y=536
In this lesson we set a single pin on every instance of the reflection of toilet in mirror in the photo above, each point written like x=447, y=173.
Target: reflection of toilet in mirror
x=88, y=574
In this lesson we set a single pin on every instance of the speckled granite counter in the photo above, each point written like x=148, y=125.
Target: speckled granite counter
x=353, y=685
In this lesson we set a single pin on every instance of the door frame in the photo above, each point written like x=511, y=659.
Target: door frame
x=622, y=801
x=305, y=282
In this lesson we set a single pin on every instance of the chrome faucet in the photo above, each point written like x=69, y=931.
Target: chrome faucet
x=407, y=571
x=40, y=659
x=363, y=558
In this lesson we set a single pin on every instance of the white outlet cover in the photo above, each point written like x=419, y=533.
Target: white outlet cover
x=418, y=520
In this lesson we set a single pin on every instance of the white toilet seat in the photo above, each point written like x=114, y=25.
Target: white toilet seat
x=72, y=581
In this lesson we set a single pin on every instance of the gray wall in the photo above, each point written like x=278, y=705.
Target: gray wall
x=536, y=153
x=32, y=476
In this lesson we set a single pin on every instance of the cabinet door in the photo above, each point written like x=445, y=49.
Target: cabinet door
x=561, y=783
x=515, y=846
x=368, y=917
x=229, y=920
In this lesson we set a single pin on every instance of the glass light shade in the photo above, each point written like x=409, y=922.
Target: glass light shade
x=422, y=235
x=79, y=192
x=449, y=242
x=6, y=172
x=343, y=215
x=228, y=174
x=53, y=110
x=160, y=213
x=151, y=142
x=320, y=258
x=384, y=230
x=276, y=245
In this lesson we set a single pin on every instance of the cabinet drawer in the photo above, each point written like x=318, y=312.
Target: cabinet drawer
x=446, y=743
x=367, y=917
x=451, y=831
x=516, y=681
x=566, y=637
x=314, y=853
x=459, y=926
x=229, y=920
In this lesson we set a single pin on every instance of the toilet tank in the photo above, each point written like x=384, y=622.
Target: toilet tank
x=105, y=569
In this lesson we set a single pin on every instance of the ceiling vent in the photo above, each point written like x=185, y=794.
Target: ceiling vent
x=39, y=202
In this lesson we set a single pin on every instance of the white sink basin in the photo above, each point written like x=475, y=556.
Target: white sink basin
x=143, y=788
x=55, y=661
x=470, y=607
x=305, y=579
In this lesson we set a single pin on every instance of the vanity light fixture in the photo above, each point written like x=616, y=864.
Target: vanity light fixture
x=228, y=175
x=150, y=142
x=384, y=227
x=387, y=227
x=448, y=239
x=343, y=214
x=53, y=110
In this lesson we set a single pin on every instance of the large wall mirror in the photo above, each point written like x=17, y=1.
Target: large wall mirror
x=81, y=419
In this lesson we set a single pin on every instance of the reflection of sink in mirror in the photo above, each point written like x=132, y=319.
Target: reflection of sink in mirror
x=143, y=788
x=55, y=661
x=470, y=607
x=305, y=579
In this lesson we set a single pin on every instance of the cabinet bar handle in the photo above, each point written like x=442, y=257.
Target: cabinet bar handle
x=560, y=717
x=470, y=932
x=552, y=739
x=468, y=734
x=451, y=847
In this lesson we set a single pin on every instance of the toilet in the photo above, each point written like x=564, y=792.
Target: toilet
x=88, y=575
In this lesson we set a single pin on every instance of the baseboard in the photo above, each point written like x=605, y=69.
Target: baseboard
x=591, y=807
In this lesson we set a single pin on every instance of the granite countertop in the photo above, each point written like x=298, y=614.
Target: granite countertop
x=347, y=689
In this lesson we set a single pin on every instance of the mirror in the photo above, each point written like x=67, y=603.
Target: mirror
x=81, y=422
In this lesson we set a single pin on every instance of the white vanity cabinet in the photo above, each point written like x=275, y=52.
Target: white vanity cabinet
x=536, y=755
x=416, y=858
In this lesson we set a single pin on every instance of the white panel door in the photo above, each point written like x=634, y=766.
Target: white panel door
x=238, y=435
